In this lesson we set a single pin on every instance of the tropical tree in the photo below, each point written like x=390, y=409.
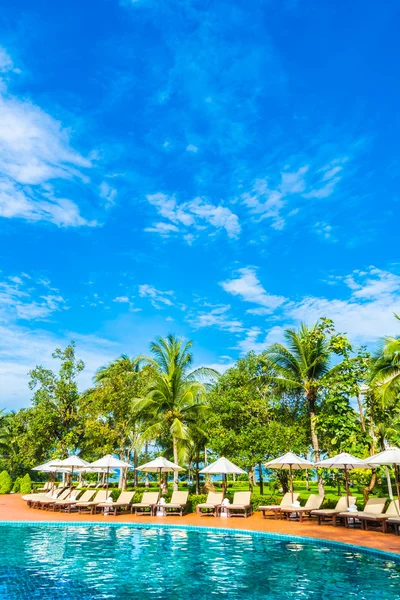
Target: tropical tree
x=385, y=372
x=303, y=366
x=111, y=423
x=175, y=398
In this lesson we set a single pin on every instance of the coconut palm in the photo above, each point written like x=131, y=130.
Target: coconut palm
x=385, y=372
x=175, y=399
x=299, y=367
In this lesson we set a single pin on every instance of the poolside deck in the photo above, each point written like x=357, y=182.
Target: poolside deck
x=13, y=508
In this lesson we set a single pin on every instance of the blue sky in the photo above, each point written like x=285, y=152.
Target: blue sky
x=214, y=169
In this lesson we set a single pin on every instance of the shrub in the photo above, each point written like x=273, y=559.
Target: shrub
x=26, y=485
x=17, y=485
x=5, y=483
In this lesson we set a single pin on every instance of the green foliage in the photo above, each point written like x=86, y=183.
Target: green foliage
x=17, y=485
x=26, y=484
x=5, y=483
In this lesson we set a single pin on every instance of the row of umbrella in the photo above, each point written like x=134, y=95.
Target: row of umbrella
x=224, y=467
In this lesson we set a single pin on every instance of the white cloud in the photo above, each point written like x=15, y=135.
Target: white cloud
x=248, y=287
x=216, y=317
x=325, y=231
x=107, y=192
x=191, y=148
x=157, y=297
x=21, y=349
x=22, y=300
x=122, y=299
x=6, y=62
x=196, y=215
x=35, y=154
x=252, y=343
x=266, y=200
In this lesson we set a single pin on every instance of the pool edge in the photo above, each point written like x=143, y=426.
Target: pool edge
x=382, y=554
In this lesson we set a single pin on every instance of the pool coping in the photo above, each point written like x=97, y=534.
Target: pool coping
x=381, y=554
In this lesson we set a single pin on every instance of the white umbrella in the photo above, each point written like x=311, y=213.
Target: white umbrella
x=73, y=462
x=289, y=461
x=344, y=461
x=223, y=467
x=51, y=467
x=160, y=465
x=391, y=456
x=109, y=462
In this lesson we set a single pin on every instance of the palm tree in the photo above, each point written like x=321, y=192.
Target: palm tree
x=299, y=367
x=174, y=401
x=386, y=370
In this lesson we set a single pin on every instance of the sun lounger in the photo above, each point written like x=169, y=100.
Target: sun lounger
x=177, y=504
x=395, y=523
x=71, y=502
x=286, y=502
x=90, y=505
x=241, y=505
x=313, y=503
x=393, y=511
x=48, y=502
x=123, y=503
x=211, y=505
x=373, y=506
x=330, y=513
x=46, y=488
x=147, y=505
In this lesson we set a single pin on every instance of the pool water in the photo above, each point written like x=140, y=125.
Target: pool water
x=94, y=562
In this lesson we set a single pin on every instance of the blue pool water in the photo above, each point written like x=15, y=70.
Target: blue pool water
x=95, y=562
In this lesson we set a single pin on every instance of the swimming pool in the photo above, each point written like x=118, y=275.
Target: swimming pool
x=90, y=562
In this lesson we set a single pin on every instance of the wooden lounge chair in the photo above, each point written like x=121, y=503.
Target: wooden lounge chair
x=211, y=505
x=373, y=506
x=395, y=523
x=313, y=503
x=71, y=502
x=392, y=511
x=147, y=505
x=123, y=503
x=286, y=502
x=47, y=503
x=330, y=513
x=241, y=505
x=45, y=488
x=177, y=504
x=90, y=505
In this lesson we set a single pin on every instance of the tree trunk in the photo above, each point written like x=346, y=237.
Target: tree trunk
x=251, y=479
x=314, y=438
x=197, y=473
x=135, y=472
x=146, y=453
x=175, y=448
x=261, y=480
x=360, y=410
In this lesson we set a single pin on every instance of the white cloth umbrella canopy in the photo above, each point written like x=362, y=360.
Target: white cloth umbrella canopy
x=391, y=456
x=223, y=467
x=109, y=462
x=160, y=465
x=290, y=461
x=50, y=466
x=72, y=462
x=344, y=461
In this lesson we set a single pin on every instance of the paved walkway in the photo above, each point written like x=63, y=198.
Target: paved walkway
x=13, y=508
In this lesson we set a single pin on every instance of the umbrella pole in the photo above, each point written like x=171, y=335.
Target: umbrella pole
x=346, y=476
x=396, y=478
x=108, y=470
x=291, y=482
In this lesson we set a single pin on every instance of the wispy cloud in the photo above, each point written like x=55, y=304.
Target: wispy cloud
x=22, y=299
x=159, y=299
x=192, y=216
x=248, y=287
x=35, y=154
x=216, y=316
